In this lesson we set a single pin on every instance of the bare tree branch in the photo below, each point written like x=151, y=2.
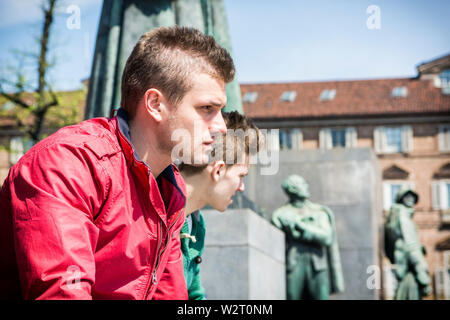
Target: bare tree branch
x=16, y=99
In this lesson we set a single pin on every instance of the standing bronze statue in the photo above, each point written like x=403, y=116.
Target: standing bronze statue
x=313, y=266
x=403, y=248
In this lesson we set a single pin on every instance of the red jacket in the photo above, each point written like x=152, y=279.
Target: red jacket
x=81, y=217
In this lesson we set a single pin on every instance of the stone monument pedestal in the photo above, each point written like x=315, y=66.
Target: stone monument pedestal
x=244, y=257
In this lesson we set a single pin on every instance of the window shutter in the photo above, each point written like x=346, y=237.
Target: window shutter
x=16, y=149
x=444, y=138
x=379, y=140
x=447, y=259
x=322, y=137
x=386, y=196
x=407, y=139
x=329, y=139
x=325, y=139
x=350, y=137
x=297, y=139
x=443, y=195
x=439, y=282
x=274, y=140
x=441, y=139
x=446, y=275
x=435, y=195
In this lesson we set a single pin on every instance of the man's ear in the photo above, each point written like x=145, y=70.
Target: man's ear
x=153, y=103
x=218, y=170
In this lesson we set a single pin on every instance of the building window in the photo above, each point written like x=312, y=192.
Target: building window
x=250, y=97
x=395, y=188
x=337, y=137
x=444, y=138
x=399, y=92
x=393, y=139
x=390, y=191
x=327, y=95
x=288, y=96
x=290, y=139
x=285, y=140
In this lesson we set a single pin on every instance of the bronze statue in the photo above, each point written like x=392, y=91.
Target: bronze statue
x=313, y=266
x=403, y=248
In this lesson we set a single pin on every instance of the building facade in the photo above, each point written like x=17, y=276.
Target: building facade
x=407, y=123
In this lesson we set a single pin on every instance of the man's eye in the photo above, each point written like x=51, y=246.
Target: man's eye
x=207, y=108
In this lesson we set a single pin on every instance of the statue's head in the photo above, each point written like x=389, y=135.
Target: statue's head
x=407, y=197
x=296, y=187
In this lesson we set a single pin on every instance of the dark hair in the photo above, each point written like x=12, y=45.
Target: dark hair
x=165, y=59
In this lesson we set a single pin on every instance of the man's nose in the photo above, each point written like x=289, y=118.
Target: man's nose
x=241, y=187
x=218, y=124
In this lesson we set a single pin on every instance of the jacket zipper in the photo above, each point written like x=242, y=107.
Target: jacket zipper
x=154, y=277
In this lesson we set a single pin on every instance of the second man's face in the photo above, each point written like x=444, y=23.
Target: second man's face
x=198, y=118
x=220, y=196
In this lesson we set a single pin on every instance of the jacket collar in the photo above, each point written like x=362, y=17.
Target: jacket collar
x=124, y=128
x=173, y=201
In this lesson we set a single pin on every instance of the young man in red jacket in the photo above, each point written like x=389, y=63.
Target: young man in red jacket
x=94, y=211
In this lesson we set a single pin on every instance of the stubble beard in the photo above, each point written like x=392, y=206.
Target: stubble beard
x=164, y=138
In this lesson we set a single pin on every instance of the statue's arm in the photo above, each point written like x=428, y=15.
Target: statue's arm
x=321, y=233
x=285, y=224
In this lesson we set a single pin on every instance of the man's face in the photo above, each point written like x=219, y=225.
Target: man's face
x=199, y=115
x=227, y=185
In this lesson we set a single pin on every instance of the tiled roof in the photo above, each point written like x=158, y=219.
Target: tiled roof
x=353, y=98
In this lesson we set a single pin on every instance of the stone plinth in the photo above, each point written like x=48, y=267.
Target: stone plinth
x=244, y=257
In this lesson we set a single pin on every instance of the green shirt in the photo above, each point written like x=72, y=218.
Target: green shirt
x=192, y=251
